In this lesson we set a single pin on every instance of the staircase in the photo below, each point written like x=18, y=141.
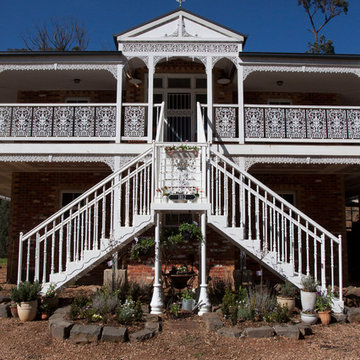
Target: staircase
x=108, y=216
x=91, y=228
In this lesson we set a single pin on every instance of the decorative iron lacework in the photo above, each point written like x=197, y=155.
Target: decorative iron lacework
x=225, y=122
x=38, y=67
x=106, y=121
x=301, y=123
x=57, y=121
x=134, y=119
x=5, y=119
x=183, y=47
x=248, y=69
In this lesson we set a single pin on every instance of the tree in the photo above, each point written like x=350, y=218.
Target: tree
x=320, y=12
x=59, y=34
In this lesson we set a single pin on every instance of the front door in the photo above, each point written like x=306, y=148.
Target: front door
x=180, y=94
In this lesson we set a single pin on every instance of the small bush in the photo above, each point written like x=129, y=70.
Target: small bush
x=174, y=309
x=26, y=291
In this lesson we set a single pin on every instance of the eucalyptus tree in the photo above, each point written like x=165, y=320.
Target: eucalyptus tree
x=320, y=13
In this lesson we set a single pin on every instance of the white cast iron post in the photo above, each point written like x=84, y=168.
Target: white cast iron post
x=157, y=298
x=204, y=301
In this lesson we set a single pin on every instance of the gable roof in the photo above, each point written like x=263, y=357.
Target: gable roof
x=180, y=25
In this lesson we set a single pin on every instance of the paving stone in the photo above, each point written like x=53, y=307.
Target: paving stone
x=113, y=334
x=353, y=315
x=83, y=334
x=60, y=329
x=62, y=310
x=157, y=326
x=230, y=332
x=5, y=310
x=142, y=335
x=213, y=323
x=288, y=331
x=152, y=318
x=339, y=318
x=305, y=329
x=260, y=332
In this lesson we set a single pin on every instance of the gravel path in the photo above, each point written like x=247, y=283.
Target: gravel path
x=32, y=341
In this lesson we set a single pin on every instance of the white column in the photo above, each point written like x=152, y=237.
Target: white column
x=209, y=75
x=151, y=69
x=119, y=101
x=204, y=301
x=241, y=122
x=157, y=298
x=116, y=214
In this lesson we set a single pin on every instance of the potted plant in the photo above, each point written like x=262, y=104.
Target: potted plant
x=323, y=305
x=26, y=296
x=188, y=300
x=309, y=316
x=308, y=292
x=50, y=298
x=44, y=311
x=286, y=296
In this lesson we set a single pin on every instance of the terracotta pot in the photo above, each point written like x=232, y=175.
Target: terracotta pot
x=289, y=302
x=325, y=317
x=308, y=300
x=44, y=316
x=309, y=319
x=27, y=310
x=13, y=311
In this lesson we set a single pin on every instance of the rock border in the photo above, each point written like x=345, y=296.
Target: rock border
x=291, y=331
x=63, y=329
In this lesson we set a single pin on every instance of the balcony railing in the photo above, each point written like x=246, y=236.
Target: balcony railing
x=37, y=122
x=268, y=123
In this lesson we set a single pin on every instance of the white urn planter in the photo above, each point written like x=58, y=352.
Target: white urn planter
x=27, y=310
x=309, y=319
x=307, y=300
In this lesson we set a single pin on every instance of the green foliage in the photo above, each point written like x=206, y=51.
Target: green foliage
x=25, y=292
x=287, y=290
x=320, y=12
x=4, y=225
x=174, y=309
x=170, y=150
x=50, y=292
x=129, y=312
x=141, y=247
x=278, y=314
x=309, y=284
x=324, y=301
x=322, y=47
x=229, y=301
x=188, y=294
x=77, y=306
x=185, y=232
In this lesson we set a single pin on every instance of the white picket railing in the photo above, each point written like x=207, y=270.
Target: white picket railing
x=279, y=233
x=96, y=220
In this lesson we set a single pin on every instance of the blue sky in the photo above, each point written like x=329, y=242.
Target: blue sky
x=272, y=25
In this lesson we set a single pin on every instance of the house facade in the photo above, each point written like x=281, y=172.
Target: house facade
x=260, y=149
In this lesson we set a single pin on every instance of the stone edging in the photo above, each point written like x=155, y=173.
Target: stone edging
x=214, y=323
x=63, y=329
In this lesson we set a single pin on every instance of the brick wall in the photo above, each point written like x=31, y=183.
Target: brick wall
x=34, y=197
x=59, y=96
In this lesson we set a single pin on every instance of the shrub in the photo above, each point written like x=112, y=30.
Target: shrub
x=129, y=312
x=279, y=314
x=25, y=291
x=308, y=283
x=287, y=290
x=174, y=309
x=77, y=307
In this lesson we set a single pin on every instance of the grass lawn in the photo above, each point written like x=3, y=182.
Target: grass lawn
x=3, y=261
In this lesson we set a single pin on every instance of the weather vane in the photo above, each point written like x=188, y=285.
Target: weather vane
x=180, y=2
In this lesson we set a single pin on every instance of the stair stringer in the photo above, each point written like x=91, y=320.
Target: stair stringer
x=93, y=258
x=252, y=248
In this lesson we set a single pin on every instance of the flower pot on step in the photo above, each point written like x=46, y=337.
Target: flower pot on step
x=325, y=317
x=308, y=300
x=27, y=310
